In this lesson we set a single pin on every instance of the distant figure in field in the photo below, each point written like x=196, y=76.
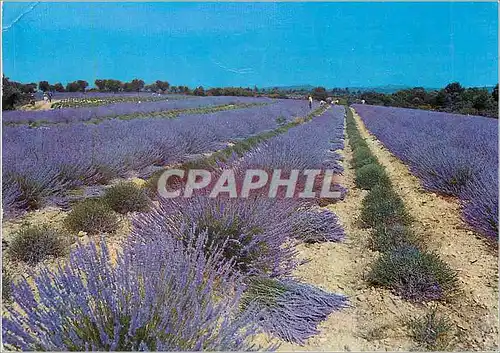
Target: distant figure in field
x=362, y=101
x=310, y=102
x=49, y=95
x=32, y=99
x=45, y=97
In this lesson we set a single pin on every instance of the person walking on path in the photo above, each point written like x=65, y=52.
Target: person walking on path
x=310, y=102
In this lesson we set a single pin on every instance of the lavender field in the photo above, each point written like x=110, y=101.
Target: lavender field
x=452, y=154
x=42, y=164
x=111, y=264
x=131, y=110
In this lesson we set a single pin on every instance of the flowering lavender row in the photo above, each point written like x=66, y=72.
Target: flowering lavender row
x=452, y=154
x=161, y=295
x=92, y=94
x=44, y=162
x=308, y=146
x=71, y=115
x=260, y=234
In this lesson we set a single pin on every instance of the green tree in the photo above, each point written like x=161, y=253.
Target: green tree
x=162, y=85
x=43, y=86
x=58, y=87
x=11, y=94
x=199, y=91
x=319, y=93
x=100, y=84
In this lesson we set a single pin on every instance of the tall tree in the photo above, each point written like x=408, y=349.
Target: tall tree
x=43, y=86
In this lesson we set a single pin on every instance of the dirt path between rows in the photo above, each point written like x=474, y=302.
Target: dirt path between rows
x=475, y=310
x=372, y=322
x=40, y=105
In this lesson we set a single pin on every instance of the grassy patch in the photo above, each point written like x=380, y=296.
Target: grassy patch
x=386, y=237
x=404, y=266
x=431, y=331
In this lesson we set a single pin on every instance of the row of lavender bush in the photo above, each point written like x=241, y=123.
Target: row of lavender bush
x=199, y=275
x=72, y=115
x=44, y=162
x=262, y=233
x=92, y=94
x=452, y=154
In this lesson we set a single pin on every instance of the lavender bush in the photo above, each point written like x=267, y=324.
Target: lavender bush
x=451, y=154
x=289, y=309
x=255, y=233
x=160, y=295
x=317, y=226
x=414, y=274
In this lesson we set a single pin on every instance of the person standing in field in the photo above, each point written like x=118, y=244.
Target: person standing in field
x=310, y=102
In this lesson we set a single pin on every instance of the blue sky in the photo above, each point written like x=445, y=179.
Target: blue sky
x=246, y=44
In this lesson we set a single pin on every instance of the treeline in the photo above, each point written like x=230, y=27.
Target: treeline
x=454, y=98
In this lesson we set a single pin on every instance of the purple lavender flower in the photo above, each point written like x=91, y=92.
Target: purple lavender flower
x=289, y=309
x=319, y=226
x=164, y=295
x=255, y=233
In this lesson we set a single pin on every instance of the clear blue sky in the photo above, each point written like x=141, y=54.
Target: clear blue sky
x=264, y=44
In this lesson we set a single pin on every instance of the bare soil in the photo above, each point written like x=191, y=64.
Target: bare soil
x=372, y=323
x=39, y=105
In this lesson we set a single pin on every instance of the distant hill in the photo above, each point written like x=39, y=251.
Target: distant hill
x=380, y=89
x=292, y=88
x=387, y=89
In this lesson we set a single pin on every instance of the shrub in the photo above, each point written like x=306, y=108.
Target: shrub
x=158, y=296
x=319, y=226
x=289, y=309
x=370, y=175
x=362, y=156
x=126, y=197
x=430, y=331
x=255, y=233
x=414, y=274
x=32, y=244
x=383, y=206
x=30, y=193
x=93, y=216
x=387, y=237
